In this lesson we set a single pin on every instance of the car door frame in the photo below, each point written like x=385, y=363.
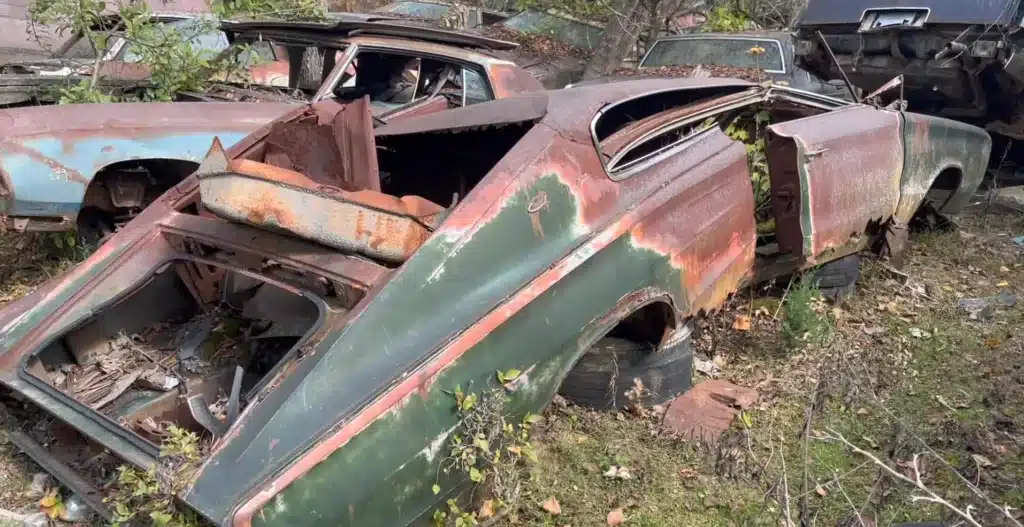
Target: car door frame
x=819, y=216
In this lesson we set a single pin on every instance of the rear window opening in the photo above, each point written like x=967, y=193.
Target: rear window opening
x=190, y=347
x=617, y=118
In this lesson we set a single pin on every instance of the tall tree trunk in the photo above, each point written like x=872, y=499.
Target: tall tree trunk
x=619, y=36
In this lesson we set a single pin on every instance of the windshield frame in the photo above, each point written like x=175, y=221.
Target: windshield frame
x=762, y=40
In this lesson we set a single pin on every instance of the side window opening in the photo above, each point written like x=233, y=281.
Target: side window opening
x=393, y=80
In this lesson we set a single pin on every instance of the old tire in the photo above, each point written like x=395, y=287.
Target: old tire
x=838, y=273
x=837, y=279
x=604, y=375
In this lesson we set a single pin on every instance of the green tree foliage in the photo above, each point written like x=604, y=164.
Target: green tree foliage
x=176, y=62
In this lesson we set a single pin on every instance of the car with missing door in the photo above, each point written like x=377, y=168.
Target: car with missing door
x=95, y=166
x=325, y=286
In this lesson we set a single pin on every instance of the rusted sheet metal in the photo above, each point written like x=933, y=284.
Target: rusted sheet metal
x=366, y=222
x=706, y=411
x=847, y=176
x=935, y=145
x=507, y=79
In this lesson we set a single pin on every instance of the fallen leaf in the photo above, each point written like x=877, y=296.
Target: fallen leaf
x=1004, y=269
x=863, y=411
x=992, y=343
x=874, y=330
x=742, y=323
x=486, y=510
x=617, y=472
x=820, y=490
x=615, y=517
x=1004, y=283
x=551, y=505
x=48, y=501
x=982, y=461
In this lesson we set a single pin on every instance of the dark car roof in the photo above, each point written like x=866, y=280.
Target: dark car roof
x=353, y=24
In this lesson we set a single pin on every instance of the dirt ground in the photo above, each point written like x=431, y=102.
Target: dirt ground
x=897, y=371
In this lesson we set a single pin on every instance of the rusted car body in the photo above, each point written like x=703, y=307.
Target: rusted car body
x=97, y=165
x=574, y=212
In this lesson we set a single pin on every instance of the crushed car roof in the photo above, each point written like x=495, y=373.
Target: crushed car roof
x=356, y=24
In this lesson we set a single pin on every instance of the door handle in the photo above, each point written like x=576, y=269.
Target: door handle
x=815, y=153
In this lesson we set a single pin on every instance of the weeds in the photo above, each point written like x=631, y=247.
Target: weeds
x=492, y=450
x=151, y=493
x=803, y=321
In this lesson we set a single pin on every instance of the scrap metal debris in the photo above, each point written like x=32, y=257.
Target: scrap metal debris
x=984, y=308
x=704, y=412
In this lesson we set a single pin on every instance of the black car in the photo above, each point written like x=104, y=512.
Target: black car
x=959, y=59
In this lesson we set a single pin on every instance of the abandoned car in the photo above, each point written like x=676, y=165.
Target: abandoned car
x=326, y=286
x=727, y=55
x=734, y=50
x=96, y=166
x=958, y=59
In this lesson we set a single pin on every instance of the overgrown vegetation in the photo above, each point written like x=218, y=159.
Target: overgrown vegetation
x=803, y=314
x=492, y=451
x=150, y=494
x=173, y=55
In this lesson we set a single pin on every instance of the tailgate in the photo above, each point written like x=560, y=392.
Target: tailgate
x=1000, y=12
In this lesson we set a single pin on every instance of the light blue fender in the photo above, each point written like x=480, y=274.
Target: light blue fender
x=51, y=153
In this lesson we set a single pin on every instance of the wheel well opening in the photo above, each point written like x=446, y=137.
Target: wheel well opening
x=943, y=188
x=649, y=324
x=134, y=183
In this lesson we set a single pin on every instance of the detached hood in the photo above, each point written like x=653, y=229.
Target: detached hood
x=960, y=12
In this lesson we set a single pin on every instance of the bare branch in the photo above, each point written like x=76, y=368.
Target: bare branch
x=929, y=495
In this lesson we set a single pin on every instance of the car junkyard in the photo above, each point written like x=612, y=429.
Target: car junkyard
x=389, y=273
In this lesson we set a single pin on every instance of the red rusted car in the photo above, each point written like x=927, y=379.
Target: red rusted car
x=308, y=300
